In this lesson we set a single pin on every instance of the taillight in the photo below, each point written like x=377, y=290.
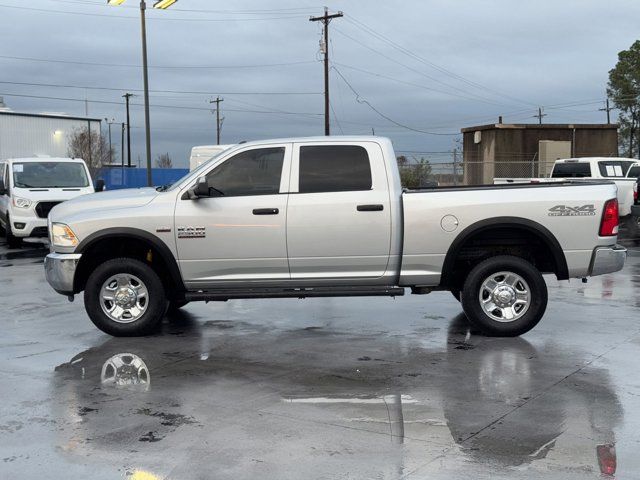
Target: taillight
x=609, y=223
x=635, y=192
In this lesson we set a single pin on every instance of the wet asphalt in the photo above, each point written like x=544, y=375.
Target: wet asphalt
x=320, y=388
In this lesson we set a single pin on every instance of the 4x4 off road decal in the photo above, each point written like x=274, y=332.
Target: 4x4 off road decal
x=566, y=211
x=192, y=232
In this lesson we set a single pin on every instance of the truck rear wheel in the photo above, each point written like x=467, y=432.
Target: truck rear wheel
x=504, y=296
x=125, y=297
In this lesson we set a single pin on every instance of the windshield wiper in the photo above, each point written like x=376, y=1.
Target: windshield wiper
x=164, y=188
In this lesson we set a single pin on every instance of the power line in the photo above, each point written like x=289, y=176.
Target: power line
x=359, y=99
x=179, y=107
x=113, y=89
x=427, y=62
x=434, y=79
x=128, y=65
x=128, y=17
x=174, y=9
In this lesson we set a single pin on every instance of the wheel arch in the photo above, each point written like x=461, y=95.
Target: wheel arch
x=539, y=232
x=118, y=239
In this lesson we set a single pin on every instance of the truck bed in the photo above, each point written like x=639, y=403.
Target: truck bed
x=436, y=218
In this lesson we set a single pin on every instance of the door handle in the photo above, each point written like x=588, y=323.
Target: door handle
x=370, y=208
x=266, y=211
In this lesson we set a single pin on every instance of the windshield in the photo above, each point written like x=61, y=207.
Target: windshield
x=50, y=175
x=197, y=170
x=571, y=170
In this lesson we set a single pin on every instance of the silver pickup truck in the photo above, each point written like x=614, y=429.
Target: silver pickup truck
x=320, y=217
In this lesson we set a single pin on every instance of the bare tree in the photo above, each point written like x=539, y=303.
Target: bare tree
x=164, y=161
x=91, y=147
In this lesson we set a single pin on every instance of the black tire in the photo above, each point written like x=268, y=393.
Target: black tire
x=633, y=226
x=10, y=238
x=456, y=294
x=156, y=303
x=471, y=303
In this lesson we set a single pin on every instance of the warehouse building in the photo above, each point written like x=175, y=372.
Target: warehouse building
x=39, y=134
x=529, y=150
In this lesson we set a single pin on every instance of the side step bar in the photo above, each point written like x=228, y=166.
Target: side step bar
x=304, y=292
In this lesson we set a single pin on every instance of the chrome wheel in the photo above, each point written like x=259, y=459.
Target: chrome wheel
x=505, y=296
x=124, y=298
x=125, y=370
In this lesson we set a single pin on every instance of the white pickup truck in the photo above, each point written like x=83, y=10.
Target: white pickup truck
x=327, y=216
x=31, y=187
x=601, y=168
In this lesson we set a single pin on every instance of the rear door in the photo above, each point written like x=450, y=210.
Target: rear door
x=339, y=216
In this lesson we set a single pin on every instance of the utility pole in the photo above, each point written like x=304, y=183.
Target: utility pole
x=608, y=110
x=326, y=19
x=122, y=145
x=217, y=102
x=109, y=123
x=540, y=115
x=126, y=97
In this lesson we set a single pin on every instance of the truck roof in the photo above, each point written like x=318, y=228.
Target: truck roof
x=43, y=159
x=596, y=159
x=320, y=139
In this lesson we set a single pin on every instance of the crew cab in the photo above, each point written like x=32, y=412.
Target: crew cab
x=31, y=187
x=327, y=216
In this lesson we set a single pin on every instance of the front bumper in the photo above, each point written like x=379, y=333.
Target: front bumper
x=33, y=226
x=60, y=270
x=607, y=260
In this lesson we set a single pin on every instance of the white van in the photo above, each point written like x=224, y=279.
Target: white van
x=31, y=187
x=202, y=153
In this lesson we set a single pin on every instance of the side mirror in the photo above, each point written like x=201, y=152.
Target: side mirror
x=3, y=189
x=201, y=189
x=99, y=185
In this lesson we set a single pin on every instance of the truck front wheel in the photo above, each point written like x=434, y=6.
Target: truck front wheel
x=125, y=297
x=504, y=296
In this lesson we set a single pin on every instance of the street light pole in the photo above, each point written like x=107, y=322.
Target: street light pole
x=143, y=7
x=163, y=5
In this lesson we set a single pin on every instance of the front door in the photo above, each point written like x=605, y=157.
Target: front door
x=239, y=233
x=338, y=218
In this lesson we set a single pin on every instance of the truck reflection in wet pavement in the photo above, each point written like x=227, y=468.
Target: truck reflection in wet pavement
x=497, y=402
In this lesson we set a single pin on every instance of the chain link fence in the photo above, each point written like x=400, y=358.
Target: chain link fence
x=425, y=169
x=470, y=173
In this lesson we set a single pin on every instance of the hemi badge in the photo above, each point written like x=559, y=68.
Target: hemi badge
x=163, y=229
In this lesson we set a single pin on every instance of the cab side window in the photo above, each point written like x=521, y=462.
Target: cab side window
x=334, y=168
x=252, y=172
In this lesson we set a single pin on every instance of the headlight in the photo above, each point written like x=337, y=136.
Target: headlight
x=21, y=202
x=63, y=236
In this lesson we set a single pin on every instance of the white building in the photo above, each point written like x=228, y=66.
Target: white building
x=34, y=134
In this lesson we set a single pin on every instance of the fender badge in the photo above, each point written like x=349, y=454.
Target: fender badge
x=163, y=229
x=192, y=232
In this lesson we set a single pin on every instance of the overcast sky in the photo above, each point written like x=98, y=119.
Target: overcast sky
x=427, y=66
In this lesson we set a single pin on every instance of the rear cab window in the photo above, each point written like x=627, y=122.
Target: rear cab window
x=334, y=168
x=571, y=170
